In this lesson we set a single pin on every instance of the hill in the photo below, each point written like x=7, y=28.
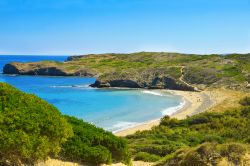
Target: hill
x=148, y=70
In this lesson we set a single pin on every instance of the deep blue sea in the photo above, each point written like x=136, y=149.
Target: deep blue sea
x=111, y=109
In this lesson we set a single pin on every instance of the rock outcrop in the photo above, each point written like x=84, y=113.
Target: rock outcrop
x=10, y=69
x=42, y=69
x=17, y=68
x=156, y=83
x=152, y=79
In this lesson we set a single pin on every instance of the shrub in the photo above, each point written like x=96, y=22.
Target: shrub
x=207, y=154
x=234, y=152
x=170, y=122
x=30, y=128
x=213, y=138
x=245, y=101
x=93, y=145
x=146, y=157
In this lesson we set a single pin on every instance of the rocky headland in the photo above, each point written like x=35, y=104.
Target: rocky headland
x=148, y=70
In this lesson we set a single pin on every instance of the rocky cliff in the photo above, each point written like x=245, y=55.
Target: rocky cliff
x=149, y=78
x=51, y=69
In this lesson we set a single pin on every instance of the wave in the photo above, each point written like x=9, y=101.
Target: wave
x=122, y=125
x=153, y=93
x=70, y=86
x=10, y=75
x=170, y=111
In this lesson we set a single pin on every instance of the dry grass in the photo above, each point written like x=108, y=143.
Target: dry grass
x=55, y=162
x=245, y=161
x=225, y=99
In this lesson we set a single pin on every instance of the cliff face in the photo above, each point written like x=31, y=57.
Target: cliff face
x=50, y=71
x=148, y=70
x=42, y=69
x=154, y=82
x=10, y=69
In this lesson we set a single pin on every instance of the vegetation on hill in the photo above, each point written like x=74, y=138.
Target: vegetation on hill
x=32, y=130
x=149, y=70
x=224, y=134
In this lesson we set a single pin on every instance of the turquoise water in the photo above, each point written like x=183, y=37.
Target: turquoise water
x=111, y=109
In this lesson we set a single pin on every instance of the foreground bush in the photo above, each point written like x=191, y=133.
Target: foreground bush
x=93, y=145
x=30, y=128
x=208, y=154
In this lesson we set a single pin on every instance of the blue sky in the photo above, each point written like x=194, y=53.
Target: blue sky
x=65, y=27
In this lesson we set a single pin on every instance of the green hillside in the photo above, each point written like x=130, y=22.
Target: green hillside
x=149, y=70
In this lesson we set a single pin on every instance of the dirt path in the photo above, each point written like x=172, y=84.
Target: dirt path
x=182, y=79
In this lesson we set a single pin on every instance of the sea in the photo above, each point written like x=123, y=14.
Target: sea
x=112, y=109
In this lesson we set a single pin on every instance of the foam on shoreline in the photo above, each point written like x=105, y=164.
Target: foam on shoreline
x=123, y=126
x=153, y=93
x=71, y=86
x=170, y=111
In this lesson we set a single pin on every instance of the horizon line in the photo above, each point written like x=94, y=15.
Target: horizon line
x=121, y=53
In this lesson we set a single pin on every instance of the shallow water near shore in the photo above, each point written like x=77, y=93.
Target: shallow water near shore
x=111, y=109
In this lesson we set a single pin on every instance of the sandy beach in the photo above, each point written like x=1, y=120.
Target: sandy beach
x=195, y=102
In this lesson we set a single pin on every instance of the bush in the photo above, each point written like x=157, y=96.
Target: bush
x=245, y=101
x=170, y=122
x=30, y=128
x=146, y=157
x=91, y=144
x=234, y=152
x=207, y=154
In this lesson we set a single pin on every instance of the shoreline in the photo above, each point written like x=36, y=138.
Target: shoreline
x=195, y=102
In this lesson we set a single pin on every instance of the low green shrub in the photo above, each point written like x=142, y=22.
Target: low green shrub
x=146, y=157
x=233, y=152
x=167, y=121
x=91, y=144
x=207, y=154
x=245, y=101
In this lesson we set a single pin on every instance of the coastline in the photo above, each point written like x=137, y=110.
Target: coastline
x=194, y=103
